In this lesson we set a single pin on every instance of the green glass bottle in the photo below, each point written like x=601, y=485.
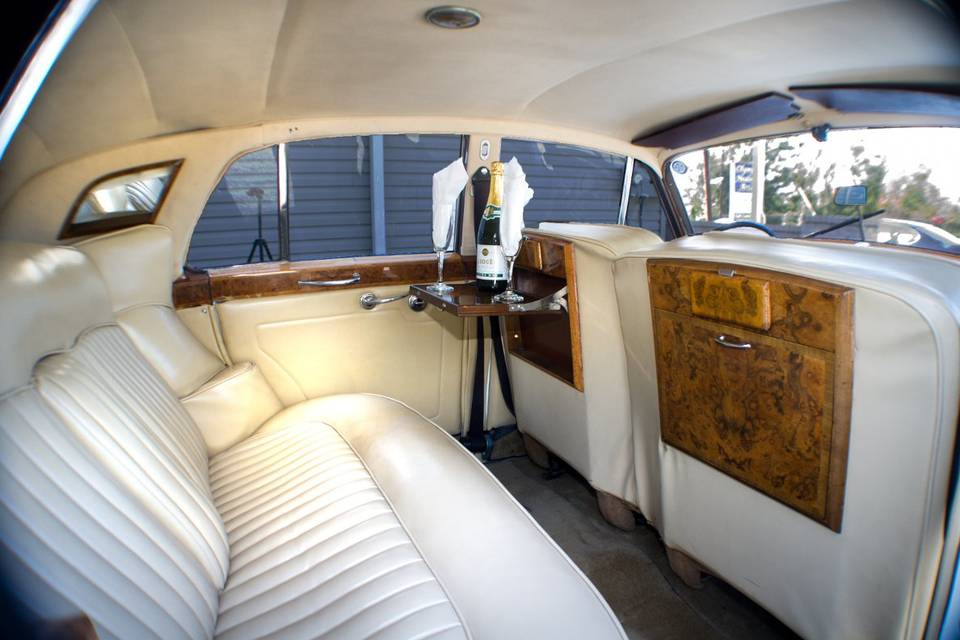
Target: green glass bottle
x=491, y=265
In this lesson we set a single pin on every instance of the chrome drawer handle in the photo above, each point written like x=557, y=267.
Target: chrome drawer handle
x=355, y=278
x=724, y=341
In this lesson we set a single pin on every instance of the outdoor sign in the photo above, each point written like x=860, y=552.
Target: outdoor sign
x=741, y=190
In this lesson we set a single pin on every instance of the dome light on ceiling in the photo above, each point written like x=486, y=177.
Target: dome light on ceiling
x=453, y=17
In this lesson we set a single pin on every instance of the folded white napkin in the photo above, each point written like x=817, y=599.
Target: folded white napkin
x=516, y=195
x=447, y=185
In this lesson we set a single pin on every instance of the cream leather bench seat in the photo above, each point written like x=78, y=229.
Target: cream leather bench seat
x=347, y=516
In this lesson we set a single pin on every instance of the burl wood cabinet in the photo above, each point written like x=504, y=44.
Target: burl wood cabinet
x=754, y=371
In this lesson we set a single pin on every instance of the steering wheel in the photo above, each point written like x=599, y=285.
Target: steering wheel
x=747, y=224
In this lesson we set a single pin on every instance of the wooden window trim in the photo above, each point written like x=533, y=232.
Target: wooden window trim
x=72, y=229
x=267, y=279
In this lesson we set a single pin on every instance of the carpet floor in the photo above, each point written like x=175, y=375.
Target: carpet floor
x=630, y=568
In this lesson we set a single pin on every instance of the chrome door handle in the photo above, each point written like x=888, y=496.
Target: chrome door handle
x=354, y=279
x=724, y=341
x=369, y=301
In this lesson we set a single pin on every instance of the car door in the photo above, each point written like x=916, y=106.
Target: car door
x=346, y=216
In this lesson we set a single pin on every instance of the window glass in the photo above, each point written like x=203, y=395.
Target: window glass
x=329, y=198
x=121, y=200
x=908, y=173
x=347, y=196
x=645, y=208
x=570, y=183
x=244, y=200
x=409, y=164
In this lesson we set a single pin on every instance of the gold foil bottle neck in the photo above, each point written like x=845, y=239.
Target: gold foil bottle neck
x=496, y=168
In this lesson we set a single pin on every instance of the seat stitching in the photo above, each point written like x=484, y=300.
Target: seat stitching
x=243, y=501
x=242, y=514
x=313, y=511
x=319, y=563
x=405, y=616
x=314, y=546
x=340, y=597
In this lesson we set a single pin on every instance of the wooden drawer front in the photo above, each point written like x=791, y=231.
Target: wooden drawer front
x=744, y=301
x=793, y=308
x=763, y=415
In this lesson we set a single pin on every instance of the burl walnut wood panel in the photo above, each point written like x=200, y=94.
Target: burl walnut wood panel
x=281, y=278
x=801, y=310
x=736, y=299
x=550, y=343
x=775, y=416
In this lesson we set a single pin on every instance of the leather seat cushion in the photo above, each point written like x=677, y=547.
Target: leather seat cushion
x=315, y=548
x=506, y=576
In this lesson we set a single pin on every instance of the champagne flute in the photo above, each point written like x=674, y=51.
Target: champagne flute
x=509, y=296
x=440, y=286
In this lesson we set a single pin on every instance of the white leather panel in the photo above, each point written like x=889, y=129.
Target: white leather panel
x=444, y=497
x=230, y=406
x=590, y=430
x=49, y=295
x=134, y=427
x=168, y=345
x=137, y=265
x=875, y=578
x=79, y=535
x=613, y=239
x=315, y=548
x=203, y=324
x=317, y=344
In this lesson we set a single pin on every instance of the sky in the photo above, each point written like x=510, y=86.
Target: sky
x=906, y=151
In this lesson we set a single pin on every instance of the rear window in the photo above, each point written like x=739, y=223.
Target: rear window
x=894, y=186
x=578, y=184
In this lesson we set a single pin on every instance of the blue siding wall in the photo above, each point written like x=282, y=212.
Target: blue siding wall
x=409, y=164
x=571, y=184
x=226, y=230
x=332, y=205
x=329, y=198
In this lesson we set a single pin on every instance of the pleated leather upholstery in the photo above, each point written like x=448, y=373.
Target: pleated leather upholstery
x=315, y=548
x=79, y=535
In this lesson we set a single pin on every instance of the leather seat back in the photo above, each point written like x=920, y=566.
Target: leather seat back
x=590, y=430
x=226, y=403
x=105, y=505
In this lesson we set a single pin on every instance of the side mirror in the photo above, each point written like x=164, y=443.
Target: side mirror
x=853, y=196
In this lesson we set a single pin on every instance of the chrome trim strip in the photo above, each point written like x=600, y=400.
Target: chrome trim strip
x=283, y=204
x=43, y=53
x=625, y=193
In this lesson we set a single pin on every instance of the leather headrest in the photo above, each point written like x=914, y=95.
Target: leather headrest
x=49, y=296
x=614, y=238
x=136, y=264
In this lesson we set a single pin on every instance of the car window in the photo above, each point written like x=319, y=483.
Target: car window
x=345, y=197
x=122, y=199
x=645, y=207
x=893, y=186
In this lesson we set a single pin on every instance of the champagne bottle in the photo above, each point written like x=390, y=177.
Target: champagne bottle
x=491, y=265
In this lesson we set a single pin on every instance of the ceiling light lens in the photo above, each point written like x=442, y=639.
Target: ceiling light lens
x=453, y=17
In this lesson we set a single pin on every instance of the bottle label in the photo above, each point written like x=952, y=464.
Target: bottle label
x=491, y=264
x=491, y=212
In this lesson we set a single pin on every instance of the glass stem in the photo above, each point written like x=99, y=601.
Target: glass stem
x=440, y=266
x=510, y=260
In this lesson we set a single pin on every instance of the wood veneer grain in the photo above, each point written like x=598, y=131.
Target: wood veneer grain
x=775, y=416
x=281, y=278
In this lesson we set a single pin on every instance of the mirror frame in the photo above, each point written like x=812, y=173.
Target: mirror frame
x=845, y=189
x=73, y=229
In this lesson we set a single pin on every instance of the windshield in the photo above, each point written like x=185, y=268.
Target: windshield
x=912, y=175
